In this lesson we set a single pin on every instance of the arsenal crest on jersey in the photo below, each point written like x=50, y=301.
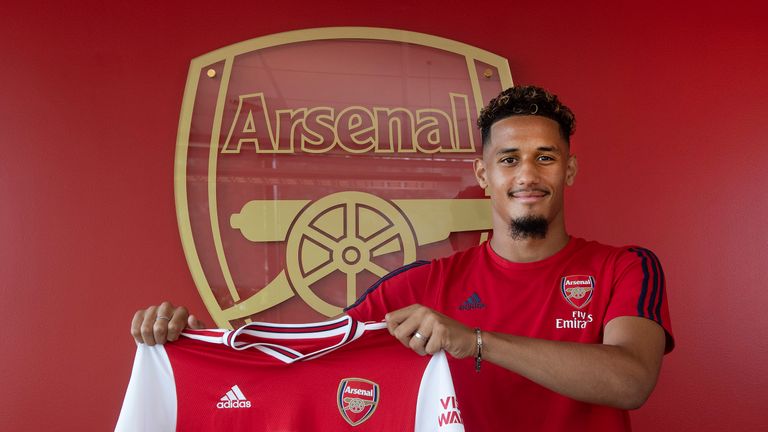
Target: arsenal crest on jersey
x=577, y=290
x=357, y=399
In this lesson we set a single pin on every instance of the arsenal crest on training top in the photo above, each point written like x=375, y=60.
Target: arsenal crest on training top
x=577, y=290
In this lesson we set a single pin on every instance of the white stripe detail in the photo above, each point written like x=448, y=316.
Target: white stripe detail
x=238, y=393
x=301, y=335
x=210, y=339
x=267, y=348
x=341, y=334
x=361, y=328
x=375, y=325
x=310, y=334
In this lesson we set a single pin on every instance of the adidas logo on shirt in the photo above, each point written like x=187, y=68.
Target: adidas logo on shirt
x=473, y=302
x=234, y=399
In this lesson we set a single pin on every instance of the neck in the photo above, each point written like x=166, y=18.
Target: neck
x=529, y=250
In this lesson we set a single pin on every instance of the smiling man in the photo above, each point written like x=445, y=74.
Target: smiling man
x=545, y=331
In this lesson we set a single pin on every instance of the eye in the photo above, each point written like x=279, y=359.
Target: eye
x=509, y=160
x=545, y=158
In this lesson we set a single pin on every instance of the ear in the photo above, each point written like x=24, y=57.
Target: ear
x=480, y=173
x=571, y=170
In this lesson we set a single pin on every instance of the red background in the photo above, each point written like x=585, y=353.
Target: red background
x=670, y=100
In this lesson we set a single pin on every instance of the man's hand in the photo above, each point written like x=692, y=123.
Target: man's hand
x=161, y=324
x=621, y=372
x=427, y=332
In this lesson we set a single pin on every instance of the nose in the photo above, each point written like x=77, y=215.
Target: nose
x=527, y=174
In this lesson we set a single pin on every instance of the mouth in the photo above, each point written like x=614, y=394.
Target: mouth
x=528, y=195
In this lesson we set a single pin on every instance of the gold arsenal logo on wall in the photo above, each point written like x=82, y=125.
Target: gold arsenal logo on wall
x=311, y=163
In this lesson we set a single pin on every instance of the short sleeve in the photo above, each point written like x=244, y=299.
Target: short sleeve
x=400, y=288
x=639, y=289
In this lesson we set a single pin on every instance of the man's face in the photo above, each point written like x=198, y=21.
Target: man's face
x=525, y=167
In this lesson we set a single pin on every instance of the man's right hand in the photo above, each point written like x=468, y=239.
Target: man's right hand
x=160, y=324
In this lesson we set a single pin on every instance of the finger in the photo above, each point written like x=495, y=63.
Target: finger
x=419, y=341
x=147, y=325
x=177, y=323
x=393, y=321
x=391, y=326
x=404, y=330
x=194, y=323
x=402, y=334
x=160, y=328
x=398, y=316
x=415, y=331
x=138, y=318
x=435, y=342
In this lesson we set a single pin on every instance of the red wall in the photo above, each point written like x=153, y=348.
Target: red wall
x=669, y=101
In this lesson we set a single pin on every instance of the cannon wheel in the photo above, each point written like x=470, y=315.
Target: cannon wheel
x=344, y=231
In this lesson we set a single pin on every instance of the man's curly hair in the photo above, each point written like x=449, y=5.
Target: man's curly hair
x=526, y=100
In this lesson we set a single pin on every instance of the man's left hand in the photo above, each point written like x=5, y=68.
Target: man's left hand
x=427, y=332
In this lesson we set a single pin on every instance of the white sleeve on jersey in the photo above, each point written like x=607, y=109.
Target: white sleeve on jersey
x=436, y=407
x=150, y=401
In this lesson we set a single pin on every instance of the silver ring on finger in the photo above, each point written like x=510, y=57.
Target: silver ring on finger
x=162, y=317
x=418, y=335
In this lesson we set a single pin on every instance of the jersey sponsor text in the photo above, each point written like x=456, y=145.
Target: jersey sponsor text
x=578, y=320
x=450, y=413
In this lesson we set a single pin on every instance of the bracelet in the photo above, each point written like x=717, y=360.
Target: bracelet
x=479, y=356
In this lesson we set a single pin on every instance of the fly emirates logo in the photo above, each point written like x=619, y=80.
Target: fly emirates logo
x=353, y=129
x=578, y=320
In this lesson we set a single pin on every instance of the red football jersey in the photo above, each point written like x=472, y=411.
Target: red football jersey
x=569, y=296
x=289, y=377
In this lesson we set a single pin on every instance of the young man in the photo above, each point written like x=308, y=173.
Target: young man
x=545, y=332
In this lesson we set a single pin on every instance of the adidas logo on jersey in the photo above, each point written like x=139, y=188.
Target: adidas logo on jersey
x=473, y=302
x=234, y=399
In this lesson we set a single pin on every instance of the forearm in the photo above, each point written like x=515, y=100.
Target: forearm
x=595, y=373
x=621, y=372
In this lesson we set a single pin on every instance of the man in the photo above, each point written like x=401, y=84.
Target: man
x=544, y=331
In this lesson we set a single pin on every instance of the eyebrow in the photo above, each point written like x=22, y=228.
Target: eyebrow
x=515, y=149
x=549, y=149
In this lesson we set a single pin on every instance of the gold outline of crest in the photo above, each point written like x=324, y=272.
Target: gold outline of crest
x=227, y=54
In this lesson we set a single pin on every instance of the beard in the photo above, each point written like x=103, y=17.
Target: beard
x=528, y=227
